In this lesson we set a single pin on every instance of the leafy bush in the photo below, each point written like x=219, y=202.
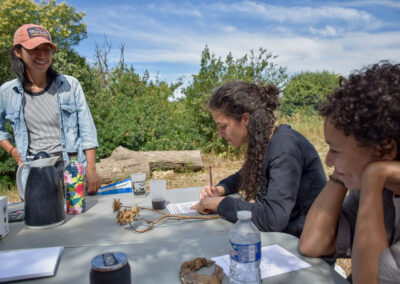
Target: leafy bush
x=252, y=67
x=135, y=113
x=305, y=91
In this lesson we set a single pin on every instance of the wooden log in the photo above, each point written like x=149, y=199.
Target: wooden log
x=123, y=162
x=111, y=171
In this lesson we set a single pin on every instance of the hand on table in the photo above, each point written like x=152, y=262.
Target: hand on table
x=207, y=205
x=214, y=191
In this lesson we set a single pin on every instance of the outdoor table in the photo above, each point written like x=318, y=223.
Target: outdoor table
x=154, y=256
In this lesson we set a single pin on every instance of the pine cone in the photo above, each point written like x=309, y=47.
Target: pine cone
x=126, y=216
x=117, y=205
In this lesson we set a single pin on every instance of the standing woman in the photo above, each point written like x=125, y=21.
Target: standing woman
x=282, y=174
x=48, y=111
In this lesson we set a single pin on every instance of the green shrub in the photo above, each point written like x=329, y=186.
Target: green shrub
x=305, y=91
x=252, y=67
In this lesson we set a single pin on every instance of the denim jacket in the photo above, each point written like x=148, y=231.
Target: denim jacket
x=78, y=131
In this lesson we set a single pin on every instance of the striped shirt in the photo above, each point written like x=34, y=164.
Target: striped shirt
x=42, y=120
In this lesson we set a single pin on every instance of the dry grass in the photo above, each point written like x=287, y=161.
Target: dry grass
x=312, y=127
x=221, y=168
x=11, y=193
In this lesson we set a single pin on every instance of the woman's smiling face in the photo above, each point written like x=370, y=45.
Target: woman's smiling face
x=38, y=59
x=346, y=156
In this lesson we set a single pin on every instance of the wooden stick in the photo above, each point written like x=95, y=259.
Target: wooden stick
x=211, y=181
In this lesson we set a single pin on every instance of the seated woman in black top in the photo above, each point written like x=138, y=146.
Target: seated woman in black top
x=282, y=174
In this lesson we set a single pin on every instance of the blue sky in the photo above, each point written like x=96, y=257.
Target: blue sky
x=167, y=37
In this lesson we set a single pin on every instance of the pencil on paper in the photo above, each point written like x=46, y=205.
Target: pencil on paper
x=211, y=181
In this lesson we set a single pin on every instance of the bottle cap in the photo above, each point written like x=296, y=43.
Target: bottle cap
x=109, y=261
x=244, y=214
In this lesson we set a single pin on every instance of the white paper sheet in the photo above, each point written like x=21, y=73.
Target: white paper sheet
x=181, y=208
x=29, y=263
x=275, y=260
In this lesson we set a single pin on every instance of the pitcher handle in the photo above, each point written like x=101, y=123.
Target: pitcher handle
x=20, y=186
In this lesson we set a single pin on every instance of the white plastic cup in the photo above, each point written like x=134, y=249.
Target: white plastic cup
x=138, y=181
x=158, y=193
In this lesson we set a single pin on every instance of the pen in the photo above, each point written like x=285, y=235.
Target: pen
x=211, y=181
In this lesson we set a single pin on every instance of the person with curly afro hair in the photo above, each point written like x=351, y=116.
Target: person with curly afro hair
x=282, y=174
x=357, y=214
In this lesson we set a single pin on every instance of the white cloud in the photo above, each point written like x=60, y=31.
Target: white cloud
x=296, y=52
x=180, y=8
x=229, y=29
x=296, y=14
x=327, y=31
x=155, y=34
x=363, y=3
x=156, y=18
x=164, y=55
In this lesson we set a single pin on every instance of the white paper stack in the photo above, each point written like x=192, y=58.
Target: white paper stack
x=29, y=263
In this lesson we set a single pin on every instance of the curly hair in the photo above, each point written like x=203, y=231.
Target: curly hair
x=234, y=99
x=367, y=106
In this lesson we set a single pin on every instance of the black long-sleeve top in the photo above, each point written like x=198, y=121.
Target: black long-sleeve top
x=291, y=178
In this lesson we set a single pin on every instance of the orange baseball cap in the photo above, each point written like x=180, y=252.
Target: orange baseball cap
x=30, y=36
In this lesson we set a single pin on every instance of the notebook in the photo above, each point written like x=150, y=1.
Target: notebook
x=29, y=263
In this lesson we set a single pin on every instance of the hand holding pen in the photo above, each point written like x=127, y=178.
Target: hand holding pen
x=210, y=190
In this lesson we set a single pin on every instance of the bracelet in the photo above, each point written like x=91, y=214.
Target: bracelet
x=11, y=150
x=335, y=180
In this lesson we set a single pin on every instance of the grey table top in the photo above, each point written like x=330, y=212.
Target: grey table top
x=154, y=256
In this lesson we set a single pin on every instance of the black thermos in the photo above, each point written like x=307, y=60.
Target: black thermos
x=110, y=268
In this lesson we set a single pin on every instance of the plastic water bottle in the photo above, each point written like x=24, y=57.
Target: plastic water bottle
x=245, y=251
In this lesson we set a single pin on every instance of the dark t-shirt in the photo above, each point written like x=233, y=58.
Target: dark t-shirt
x=291, y=178
x=389, y=262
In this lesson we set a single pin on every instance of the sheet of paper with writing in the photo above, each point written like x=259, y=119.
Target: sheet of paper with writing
x=29, y=263
x=275, y=260
x=181, y=208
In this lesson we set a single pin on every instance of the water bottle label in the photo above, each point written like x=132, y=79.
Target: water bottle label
x=245, y=253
